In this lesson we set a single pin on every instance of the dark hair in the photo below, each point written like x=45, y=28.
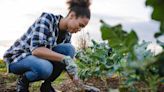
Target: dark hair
x=80, y=7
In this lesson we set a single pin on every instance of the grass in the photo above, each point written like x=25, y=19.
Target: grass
x=60, y=79
x=2, y=66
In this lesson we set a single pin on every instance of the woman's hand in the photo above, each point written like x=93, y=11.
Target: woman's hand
x=71, y=66
x=71, y=69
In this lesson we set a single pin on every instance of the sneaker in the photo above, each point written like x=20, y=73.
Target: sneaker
x=22, y=84
x=46, y=87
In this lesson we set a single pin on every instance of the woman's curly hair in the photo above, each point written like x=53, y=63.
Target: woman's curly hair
x=80, y=7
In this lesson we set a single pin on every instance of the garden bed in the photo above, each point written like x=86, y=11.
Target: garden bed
x=8, y=84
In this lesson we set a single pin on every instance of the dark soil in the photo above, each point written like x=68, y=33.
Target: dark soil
x=161, y=88
x=8, y=84
x=68, y=86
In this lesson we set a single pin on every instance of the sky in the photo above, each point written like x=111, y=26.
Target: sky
x=17, y=15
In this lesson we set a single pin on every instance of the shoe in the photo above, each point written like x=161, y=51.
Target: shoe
x=22, y=84
x=46, y=87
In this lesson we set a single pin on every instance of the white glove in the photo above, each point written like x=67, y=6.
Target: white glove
x=71, y=66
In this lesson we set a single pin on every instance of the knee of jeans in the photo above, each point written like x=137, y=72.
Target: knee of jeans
x=70, y=50
x=66, y=49
x=46, y=70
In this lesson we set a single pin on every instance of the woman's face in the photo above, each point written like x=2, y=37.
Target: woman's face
x=76, y=24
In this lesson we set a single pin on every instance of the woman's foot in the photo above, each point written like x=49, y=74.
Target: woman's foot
x=22, y=84
x=46, y=87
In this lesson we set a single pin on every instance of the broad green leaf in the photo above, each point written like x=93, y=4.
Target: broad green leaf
x=157, y=14
x=118, y=38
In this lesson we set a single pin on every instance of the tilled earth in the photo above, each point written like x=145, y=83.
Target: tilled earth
x=8, y=84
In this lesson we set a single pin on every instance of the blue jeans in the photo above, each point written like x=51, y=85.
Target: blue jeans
x=35, y=68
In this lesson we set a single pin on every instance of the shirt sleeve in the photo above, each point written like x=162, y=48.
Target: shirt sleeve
x=41, y=31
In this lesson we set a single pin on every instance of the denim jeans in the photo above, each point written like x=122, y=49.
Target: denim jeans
x=35, y=68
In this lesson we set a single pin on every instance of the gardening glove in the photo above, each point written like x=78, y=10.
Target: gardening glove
x=72, y=69
x=71, y=66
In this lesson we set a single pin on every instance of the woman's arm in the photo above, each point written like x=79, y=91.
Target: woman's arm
x=48, y=54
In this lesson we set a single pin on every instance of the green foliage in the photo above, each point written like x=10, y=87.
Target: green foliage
x=94, y=61
x=1, y=61
x=158, y=13
x=118, y=38
x=2, y=66
x=141, y=52
x=159, y=62
x=131, y=60
x=158, y=6
x=133, y=69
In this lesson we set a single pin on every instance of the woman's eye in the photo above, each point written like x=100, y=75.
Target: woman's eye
x=81, y=25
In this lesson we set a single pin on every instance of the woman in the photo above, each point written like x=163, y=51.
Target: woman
x=44, y=51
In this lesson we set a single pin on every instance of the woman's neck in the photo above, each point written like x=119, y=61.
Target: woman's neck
x=63, y=24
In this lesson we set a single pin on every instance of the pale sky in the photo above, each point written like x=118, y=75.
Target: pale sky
x=17, y=15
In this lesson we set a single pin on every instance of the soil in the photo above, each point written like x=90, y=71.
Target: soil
x=8, y=84
x=161, y=88
x=68, y=86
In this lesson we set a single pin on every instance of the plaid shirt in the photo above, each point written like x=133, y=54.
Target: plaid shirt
x=44, y=32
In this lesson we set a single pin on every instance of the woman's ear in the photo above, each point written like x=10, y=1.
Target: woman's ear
x=72, y=15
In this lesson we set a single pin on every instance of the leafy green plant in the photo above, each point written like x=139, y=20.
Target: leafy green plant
x=136, y=63
x=119, y=39
x=128, y=59
x=94, y=61
x=158, y=14
x=2, y=66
